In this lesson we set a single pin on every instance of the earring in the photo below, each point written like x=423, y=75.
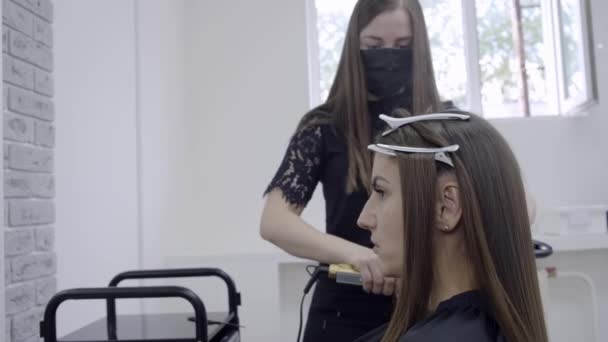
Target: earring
x=445, y=228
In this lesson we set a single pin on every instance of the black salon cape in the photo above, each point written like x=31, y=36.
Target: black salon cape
x=463, y=317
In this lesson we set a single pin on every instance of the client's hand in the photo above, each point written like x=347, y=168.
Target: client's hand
x=367, y=263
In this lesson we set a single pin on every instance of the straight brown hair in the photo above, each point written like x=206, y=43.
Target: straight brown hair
x=346, y=106
x=494, y=219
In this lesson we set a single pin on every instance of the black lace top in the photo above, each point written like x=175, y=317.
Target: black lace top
x=317, y=154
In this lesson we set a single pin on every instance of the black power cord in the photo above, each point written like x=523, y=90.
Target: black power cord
x=314, y=275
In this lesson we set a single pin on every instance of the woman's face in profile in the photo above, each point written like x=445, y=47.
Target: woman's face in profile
x=383, y=215
x=390, y=29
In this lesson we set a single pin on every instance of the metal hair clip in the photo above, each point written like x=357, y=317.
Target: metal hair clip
x=440, y=153
x=396, y=123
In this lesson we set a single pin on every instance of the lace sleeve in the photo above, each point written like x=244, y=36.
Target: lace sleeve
x=298, y=174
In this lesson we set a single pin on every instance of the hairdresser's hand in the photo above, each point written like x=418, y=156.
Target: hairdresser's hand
x=367, y=263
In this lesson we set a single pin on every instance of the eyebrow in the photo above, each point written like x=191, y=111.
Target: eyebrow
x=373, y=38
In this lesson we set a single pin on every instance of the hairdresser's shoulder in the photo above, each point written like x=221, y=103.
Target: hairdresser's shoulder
x=316, y=124
x=311, y=133
x=315, y=118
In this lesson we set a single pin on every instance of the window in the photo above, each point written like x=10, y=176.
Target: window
x=502, y=58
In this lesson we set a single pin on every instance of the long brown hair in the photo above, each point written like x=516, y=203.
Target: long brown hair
x=494, y=219
x=346, y=105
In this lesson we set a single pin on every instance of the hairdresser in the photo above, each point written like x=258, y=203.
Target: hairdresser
x=385, y=65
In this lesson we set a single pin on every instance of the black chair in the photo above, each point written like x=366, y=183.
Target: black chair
x=176, y=327
x=541, y=249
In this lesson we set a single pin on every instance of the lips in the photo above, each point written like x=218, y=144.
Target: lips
x=375, y=248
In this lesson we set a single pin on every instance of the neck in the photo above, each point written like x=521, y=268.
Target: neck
x=453, y=271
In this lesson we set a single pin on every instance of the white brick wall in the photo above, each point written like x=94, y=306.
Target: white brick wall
x=19, y=242
x=25, y=325
x=18, y=127
x=29, y=182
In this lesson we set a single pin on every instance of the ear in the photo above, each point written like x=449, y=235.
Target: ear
x=449, y=204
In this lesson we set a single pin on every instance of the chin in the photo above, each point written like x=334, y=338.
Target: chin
x=389, y=267
x=392, y=273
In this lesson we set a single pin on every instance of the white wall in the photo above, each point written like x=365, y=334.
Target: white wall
x=166, y=158
x=569, y=308
x=246, y=90
x=96, y=235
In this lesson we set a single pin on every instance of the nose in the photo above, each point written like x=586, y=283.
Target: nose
x=366, y=219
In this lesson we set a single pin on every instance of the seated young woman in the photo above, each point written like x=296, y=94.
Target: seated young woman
x=448, y=217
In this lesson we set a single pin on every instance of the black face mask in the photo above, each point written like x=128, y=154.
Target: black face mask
x=388, y=71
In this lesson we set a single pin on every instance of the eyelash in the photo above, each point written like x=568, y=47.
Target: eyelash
x=379, y=191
